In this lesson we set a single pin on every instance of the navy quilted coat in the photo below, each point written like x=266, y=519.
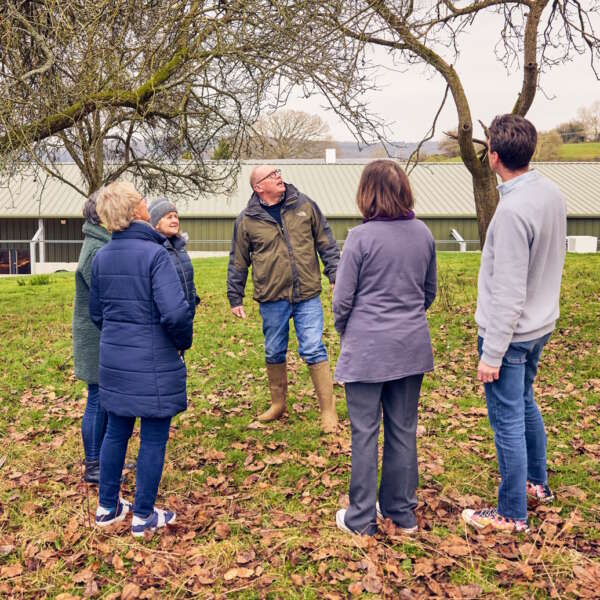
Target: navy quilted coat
x=175, y=245
x=137, y=302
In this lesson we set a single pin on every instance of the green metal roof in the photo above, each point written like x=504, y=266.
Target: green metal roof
x=440, y=190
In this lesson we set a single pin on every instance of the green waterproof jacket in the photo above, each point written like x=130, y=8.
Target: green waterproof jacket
x=284, y=258
x=86, y=336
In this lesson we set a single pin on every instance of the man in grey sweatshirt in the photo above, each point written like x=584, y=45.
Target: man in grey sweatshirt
x=517, y=307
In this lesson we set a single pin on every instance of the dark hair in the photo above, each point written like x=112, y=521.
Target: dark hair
x=89, y=209
x=514, y=139
x=384, y=191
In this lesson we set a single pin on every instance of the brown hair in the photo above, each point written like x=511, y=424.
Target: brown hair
x=384, y=191
x=514, y=139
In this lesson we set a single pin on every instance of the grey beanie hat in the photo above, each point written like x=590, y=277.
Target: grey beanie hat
x=159, y=208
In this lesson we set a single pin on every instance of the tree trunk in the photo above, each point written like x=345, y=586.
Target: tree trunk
x=486, y=198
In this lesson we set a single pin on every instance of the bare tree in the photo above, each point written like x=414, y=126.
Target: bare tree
x=572, y=132
x=288, y=134
x=138, y=87
x=548, y=146
x=533, y=36
x=590, y=117
x=448, y=145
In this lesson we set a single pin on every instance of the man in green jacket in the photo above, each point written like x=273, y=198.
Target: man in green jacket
x=279, y=233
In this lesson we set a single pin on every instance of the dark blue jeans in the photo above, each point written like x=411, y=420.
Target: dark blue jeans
x=93, y=424
x=154, y=434
x=518, y=426
x=308, y=322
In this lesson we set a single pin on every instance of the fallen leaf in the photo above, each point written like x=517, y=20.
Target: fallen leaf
x=423, y=566
x=372, y=583
x=222, y=530
x=83, y=576
x=245, y=557
x=470, y=591
x=11, y=570
x=6, y=549
x=130, y=592
x=91, y=589
x=297, y=579
x=355, y=588
x=238, y=572
x=117, y=563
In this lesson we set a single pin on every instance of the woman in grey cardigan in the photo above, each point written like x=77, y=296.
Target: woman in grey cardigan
x=385, y=282
x=86, y=341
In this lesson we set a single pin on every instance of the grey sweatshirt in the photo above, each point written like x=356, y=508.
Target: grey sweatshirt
x=521, y=265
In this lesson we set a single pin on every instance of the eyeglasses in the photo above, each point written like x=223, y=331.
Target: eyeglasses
x=271, y=175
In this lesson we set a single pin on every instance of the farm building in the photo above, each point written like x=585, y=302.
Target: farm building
x=51, y=210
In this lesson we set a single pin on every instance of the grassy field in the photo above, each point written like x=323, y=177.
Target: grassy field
x=585, y=151
x=256, y=504
x=568, y=152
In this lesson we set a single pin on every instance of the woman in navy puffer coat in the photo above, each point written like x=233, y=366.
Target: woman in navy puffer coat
x=164, y=218
x=137, y=301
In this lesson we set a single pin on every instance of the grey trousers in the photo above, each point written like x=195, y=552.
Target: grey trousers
x=399, y=471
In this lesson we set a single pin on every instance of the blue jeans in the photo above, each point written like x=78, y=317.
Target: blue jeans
x=93, y=424
x=308, y=322
x=518, y=426
x=154, y=434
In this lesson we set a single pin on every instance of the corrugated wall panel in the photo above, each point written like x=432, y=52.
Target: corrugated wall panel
x=582, y=226
x=208, y=235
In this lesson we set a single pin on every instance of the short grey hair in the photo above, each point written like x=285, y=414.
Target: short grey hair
x=89, y=209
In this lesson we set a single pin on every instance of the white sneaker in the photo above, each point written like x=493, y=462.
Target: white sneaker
x=339, y=521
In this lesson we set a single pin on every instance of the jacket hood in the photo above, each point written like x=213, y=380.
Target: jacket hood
x=95, y=231
x=140, y=230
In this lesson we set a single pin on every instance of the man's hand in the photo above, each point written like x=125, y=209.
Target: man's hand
x=486, y=373
x=239, y=311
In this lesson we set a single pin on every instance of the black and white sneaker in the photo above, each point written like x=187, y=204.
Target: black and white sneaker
x=106, y=516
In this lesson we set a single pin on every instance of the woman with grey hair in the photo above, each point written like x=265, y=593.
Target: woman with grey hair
x=86, y=341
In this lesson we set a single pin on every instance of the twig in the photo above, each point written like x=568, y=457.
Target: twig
x=427, y=137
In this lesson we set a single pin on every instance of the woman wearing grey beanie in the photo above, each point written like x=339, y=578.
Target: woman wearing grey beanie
x=165, y=219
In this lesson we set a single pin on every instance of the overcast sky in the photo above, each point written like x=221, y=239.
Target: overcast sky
x=408, y=100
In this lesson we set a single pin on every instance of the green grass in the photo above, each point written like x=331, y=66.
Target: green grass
x=264, y=499
x=584, y=151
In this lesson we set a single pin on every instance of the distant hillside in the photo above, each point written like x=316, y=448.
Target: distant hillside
x=395, y=149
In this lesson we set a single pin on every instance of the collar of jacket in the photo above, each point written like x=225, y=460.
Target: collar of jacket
x=176, y=241
x=140, y=230
x=95, y=231
x=407, y=217
x=254, y=208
